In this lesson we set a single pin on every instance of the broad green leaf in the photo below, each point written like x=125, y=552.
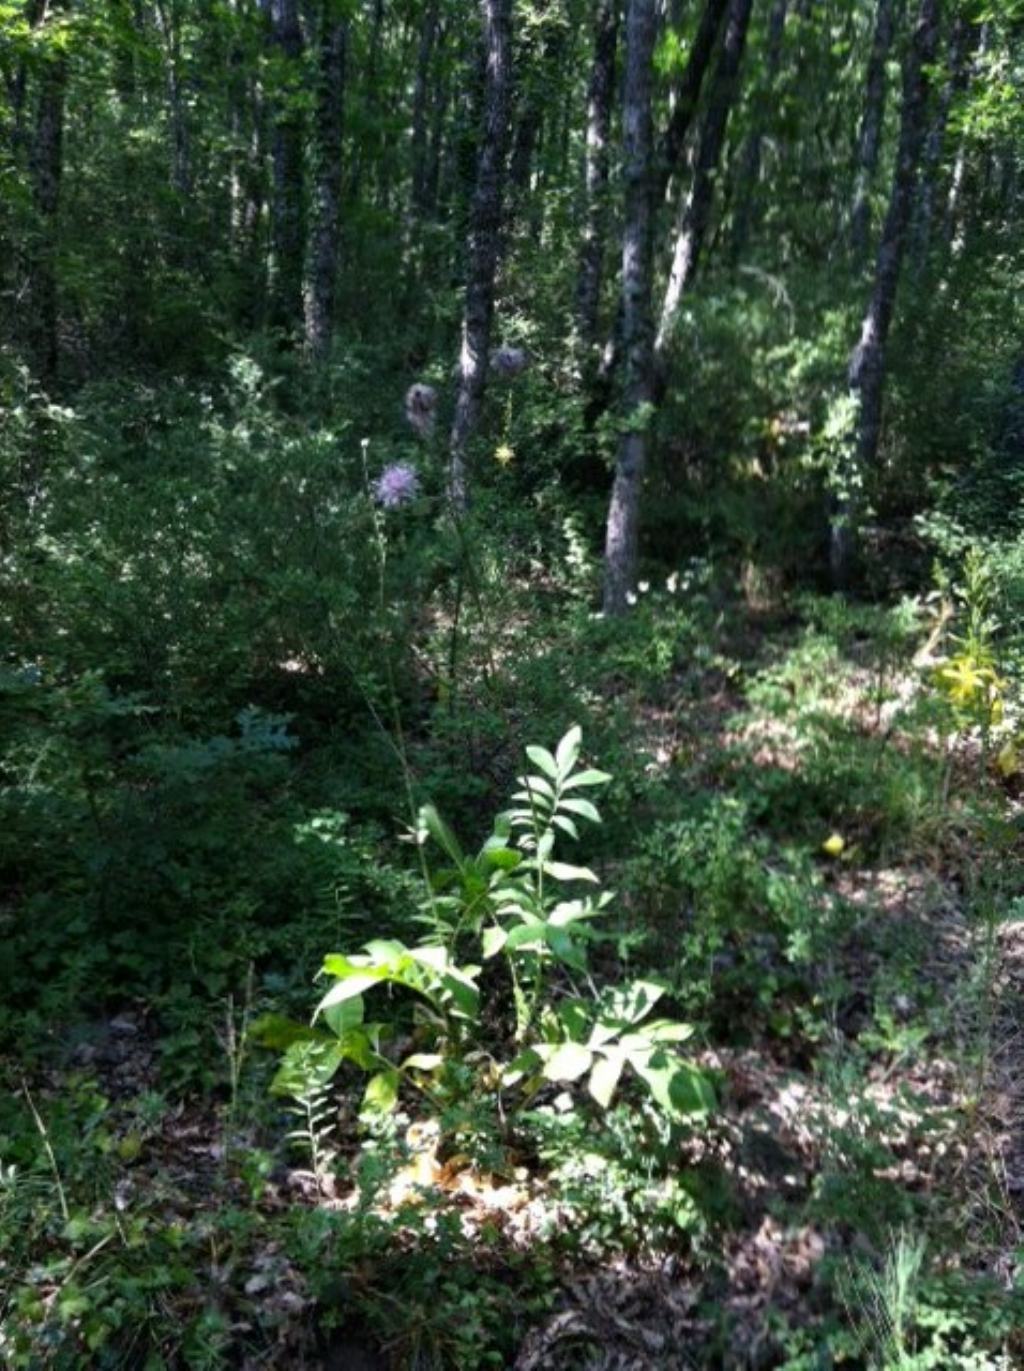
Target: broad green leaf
x=586, y=778
x=566, y=947
x=431, y=821
x=525, y=1064
x=500, y=857
x=568, y=750
x=534, y=785
x=431, y=956
x=337, y=964
x=570, y=912
x=493, y=941
x=563, y=822
x=347, y=990
x=668, y=1031
x=386, y=951
x=567, y=1062
x=345, y=1015
x=676, y=1086
x=462, y=992
x=628, y=1004
x=381, y=1095
x=306, y=1068
x=278, y=1032
x=583, y=808
x=562, y=871
x=423, y=1061
x=574, y=1018
x=541, y=757
x=605, y=1077
x=526, y=933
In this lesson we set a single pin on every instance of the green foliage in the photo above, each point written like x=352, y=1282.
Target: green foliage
x=508, y=904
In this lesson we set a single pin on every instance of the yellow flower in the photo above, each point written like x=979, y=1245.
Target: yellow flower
x=964, y=679
x=834, y=845
x=504, y=455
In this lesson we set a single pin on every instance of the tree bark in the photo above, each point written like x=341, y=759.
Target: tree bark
x=169, y=23
x=867, y=364
x=420, y=108
x=963, y=43
x=695, y=208
x=369, y=145
x=687, y=96
x=46, y=167
x=333, y=43
x=869, y=140
x=483, y=244
x=595, y=178
x=621, y=536
x=287, y=226
x=748, y=211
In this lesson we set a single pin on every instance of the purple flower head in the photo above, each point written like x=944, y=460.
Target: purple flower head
x=396, y=485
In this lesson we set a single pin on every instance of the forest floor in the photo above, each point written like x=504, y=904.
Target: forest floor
x=856, y=1198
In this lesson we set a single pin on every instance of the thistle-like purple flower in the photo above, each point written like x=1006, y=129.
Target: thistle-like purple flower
x=396, y=485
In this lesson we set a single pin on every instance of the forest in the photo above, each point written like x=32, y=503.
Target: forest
x=512, y=685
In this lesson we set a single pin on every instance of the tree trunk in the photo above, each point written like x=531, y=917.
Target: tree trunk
x=595, y=178
x=867, y=363
x=438, y=111
x=748, y=212
x=962, y=45
x=46, y=170
x=369, y=144
x=869, y=139
x=483, y=245
x=621, y=537
x=686, y=97
x=287, y=228
x=420, y=109
x=665, y=163
x=329, y=114
x=695, y=209
x=169, y=23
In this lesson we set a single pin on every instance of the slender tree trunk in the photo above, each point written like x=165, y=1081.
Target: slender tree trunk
x=867, y=363
x=14, y=265
x=622, y=533
x=169, y=22
x=438, y=110
x=46, y=165
x=420, y=108
x=544, y=116
x=748, y=211
x=665, y=163
x=370, y=144
x=238, y=108
x=329, y=114
x=687, y=96
x=962, y=44
x=869, y=139
x=287, y=227
x=695, y=208
x=954, y=198
x=595, y=178
x=483, y=245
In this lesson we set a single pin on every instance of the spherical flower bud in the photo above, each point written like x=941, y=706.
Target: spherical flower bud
x=396, y=485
